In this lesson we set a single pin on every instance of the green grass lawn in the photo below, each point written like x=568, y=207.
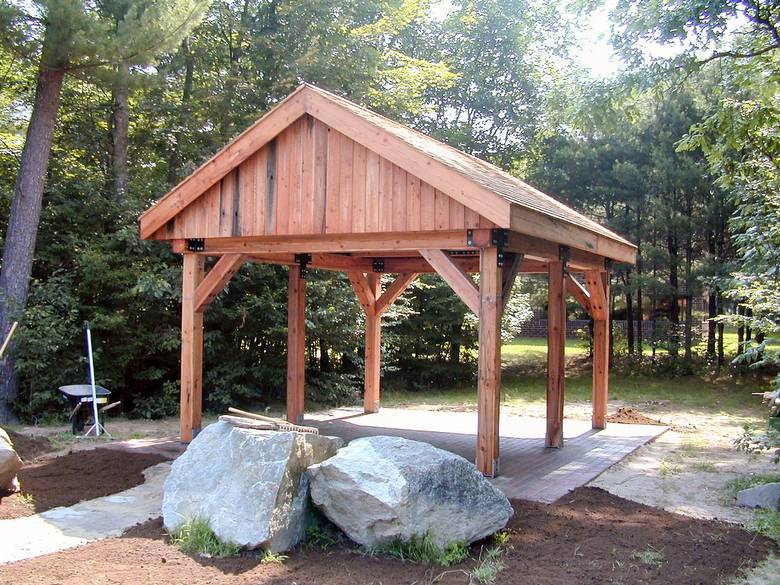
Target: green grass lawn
x=524, y=382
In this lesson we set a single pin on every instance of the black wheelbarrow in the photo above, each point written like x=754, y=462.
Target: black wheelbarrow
x=79, y=397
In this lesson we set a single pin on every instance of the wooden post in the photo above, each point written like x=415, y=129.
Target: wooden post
x=191, y=349
x=296, y=344
x=489, y=382
x=556, y=346
x=601, y=362
x=371, y=393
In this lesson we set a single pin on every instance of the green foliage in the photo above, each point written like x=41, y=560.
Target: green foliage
x=766, y=522
x=488, y=567
x=744, y=482
x=423, y=549
x=195, y=537
x=650, y=557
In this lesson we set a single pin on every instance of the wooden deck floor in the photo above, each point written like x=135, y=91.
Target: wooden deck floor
x=528, y=470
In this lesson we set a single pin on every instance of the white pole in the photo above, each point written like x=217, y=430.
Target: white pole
x=92, y=381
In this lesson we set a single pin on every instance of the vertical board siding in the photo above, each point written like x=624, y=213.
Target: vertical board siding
x=311, y=179
x=333, y=183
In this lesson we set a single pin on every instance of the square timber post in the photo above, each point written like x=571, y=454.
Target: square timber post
x=489, y=381
x=191, y=348
x=296, y=343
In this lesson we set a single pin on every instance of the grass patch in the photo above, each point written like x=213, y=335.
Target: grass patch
x=423, y=550
x=766, y=522
x=317, y=537
x=488, y=566
x=649, y=557
x=744, y=482
x=195, y=537
x=26, y=499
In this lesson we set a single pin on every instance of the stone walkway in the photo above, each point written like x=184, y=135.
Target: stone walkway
x=65, y=527
x=527, y=469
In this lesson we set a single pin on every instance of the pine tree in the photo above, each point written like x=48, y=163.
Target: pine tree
x=67, y=36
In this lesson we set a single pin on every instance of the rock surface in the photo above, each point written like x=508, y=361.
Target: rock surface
x=249, y=485
x=761, y=496
x=381, y=489
x=10, y=464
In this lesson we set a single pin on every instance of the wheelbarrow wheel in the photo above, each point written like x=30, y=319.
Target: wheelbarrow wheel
x=77, y=423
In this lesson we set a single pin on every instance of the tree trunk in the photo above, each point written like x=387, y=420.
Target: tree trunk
x=120, y=123
x=630, y=322
x=721, y=357
x=740, y=329
x=324, y=357
x=24, y=216
x=674, y=283
x=712, y=312
x=174, y=162
x=639, y=307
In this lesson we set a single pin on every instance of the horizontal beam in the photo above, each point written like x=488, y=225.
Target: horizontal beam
x=448, y=240
x=459, y=281
x=541, y=225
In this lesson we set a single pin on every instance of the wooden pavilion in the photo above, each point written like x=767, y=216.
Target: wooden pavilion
x=319, y=182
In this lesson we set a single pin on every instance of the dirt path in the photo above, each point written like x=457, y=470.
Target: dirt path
x=588, y=538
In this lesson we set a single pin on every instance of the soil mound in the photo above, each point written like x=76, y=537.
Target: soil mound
x=30, y=448
x=631, y=416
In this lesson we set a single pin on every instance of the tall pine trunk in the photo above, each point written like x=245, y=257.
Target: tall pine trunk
x=120, y=123
x=24, y=216
x=174, y=162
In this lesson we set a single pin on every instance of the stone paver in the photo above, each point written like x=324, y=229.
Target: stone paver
x=65, y=527
x=528, y=470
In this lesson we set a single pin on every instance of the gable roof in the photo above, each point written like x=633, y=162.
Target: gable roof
x=480, y=186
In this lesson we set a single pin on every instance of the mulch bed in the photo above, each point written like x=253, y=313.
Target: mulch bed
x=632, y=417
x=589, y=537
x=77, y=476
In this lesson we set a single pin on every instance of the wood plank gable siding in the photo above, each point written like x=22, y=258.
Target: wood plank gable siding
x=312, y=179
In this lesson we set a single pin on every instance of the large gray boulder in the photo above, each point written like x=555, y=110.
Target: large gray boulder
x=248, y=484
x=761, y=496
x=10, y=464
x=381, y=489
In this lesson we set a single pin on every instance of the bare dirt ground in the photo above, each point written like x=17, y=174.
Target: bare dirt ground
x=685, y=471
x=589, y=537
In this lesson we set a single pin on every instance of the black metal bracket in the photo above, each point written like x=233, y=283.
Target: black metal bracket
x=378, y=265
x=469, y=237
x=303, y=260
x=196, y=244
x=498, y=238
x=564, y=255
